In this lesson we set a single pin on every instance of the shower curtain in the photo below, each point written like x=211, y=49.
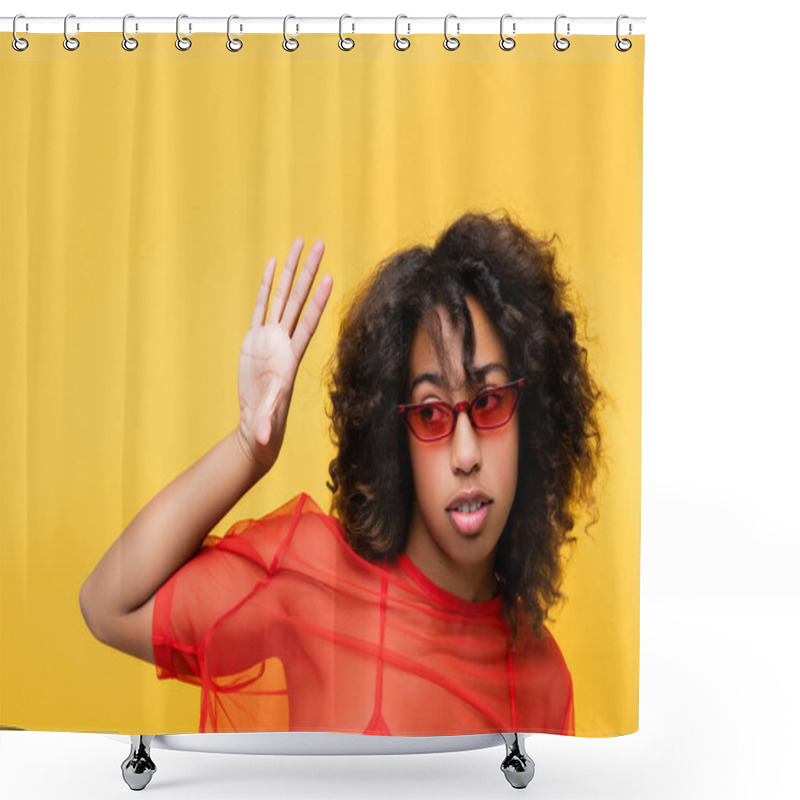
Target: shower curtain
x=152, y=200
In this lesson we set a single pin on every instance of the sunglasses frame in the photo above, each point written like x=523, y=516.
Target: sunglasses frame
x=518, y=386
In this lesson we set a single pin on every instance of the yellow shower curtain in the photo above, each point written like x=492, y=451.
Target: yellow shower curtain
x=142, y=195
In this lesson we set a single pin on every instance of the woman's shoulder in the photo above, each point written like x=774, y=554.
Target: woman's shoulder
x=302, y=508
x=263, y=539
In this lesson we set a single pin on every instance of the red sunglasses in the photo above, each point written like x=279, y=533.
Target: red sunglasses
x=491, y=408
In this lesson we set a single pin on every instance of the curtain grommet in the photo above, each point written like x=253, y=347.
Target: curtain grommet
x=183, y=43
x=507, y=42
x=18, y=43
x=289, y=44
x=233, y=44
x=129, y=43
x=623, y=45
x=451, y=42
x=561, y=43
x=71, y=43
x=400, y=42
x=345, y=42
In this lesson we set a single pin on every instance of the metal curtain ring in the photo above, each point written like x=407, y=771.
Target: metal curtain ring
x=400, y=42
x=623, y=45
x=234, y=45
x=561, y=44
x=451, y=42
x=18, y=43
x=182, y=42
x=345, y=42
x=70, y=42
x=128, y=42
x=289, y=43
x=506, y=42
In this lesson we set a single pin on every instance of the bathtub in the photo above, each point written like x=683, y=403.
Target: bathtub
x=138, y=768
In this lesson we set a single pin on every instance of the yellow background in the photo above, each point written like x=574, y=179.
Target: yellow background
x=142, y=194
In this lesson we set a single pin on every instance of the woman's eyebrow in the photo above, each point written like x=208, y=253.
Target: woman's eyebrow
x=436, y=379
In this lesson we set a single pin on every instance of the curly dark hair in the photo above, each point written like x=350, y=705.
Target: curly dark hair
x=514, y=277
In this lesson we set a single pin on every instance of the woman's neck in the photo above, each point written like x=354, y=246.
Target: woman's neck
x=473, y=582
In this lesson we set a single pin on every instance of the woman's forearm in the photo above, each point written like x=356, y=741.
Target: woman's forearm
x=168, y=531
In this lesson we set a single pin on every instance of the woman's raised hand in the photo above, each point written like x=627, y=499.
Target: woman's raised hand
x=273, y=348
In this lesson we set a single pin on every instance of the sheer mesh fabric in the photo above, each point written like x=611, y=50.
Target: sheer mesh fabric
x=285, y=628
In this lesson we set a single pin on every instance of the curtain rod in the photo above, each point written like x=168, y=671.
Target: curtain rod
x=456, y=25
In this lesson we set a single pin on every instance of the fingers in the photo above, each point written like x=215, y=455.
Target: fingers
x=263, y=293
x=310, y=319
x=299, y=294
x=288, y=302
x=285, y=282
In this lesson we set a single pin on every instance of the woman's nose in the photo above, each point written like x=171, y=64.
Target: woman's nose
x=465, y=451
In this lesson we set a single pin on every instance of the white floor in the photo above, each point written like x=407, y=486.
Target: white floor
x=718, y=706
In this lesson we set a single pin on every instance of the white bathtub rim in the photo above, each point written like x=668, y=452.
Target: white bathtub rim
x=316, y=743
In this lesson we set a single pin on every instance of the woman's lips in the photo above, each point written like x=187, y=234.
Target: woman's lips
x=469, y=522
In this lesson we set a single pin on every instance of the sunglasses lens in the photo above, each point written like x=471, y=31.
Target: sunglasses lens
x=490, y=409
x=429, y=422
x=494, y=407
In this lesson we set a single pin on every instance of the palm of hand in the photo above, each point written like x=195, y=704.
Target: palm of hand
x=272, y=350
x=267, y=369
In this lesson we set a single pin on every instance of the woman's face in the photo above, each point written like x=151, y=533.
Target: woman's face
x=441, y=543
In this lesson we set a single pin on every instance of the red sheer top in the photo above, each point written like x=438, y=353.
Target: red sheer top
x=285, y=628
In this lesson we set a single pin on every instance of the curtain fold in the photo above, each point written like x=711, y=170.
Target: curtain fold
x=142, y=196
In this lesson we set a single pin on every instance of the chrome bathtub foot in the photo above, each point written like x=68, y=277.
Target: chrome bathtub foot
x=518, y=766
x=138, y=768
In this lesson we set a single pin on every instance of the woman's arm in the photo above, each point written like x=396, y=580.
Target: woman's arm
x=167, y=532
x=116, y=598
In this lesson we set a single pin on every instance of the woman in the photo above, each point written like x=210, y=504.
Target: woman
x=464, y=416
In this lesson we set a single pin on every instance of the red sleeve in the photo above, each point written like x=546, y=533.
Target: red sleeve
x=213, y=588
x=546, y=702
x=568, y=728
x=560, y=690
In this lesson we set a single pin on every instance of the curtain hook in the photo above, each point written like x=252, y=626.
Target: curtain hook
x=18, y=44
x=623, y=48
x=70, y=42
x=182, y=42
x=506, y=42
x=406, y=43
x=561, y=44
x=345, y=42
x=451, y=42
x=233, y=44
x=287, y=39
x=128, y=42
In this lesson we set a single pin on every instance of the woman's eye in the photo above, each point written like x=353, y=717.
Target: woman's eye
x=487, y=400
x=429, y=413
